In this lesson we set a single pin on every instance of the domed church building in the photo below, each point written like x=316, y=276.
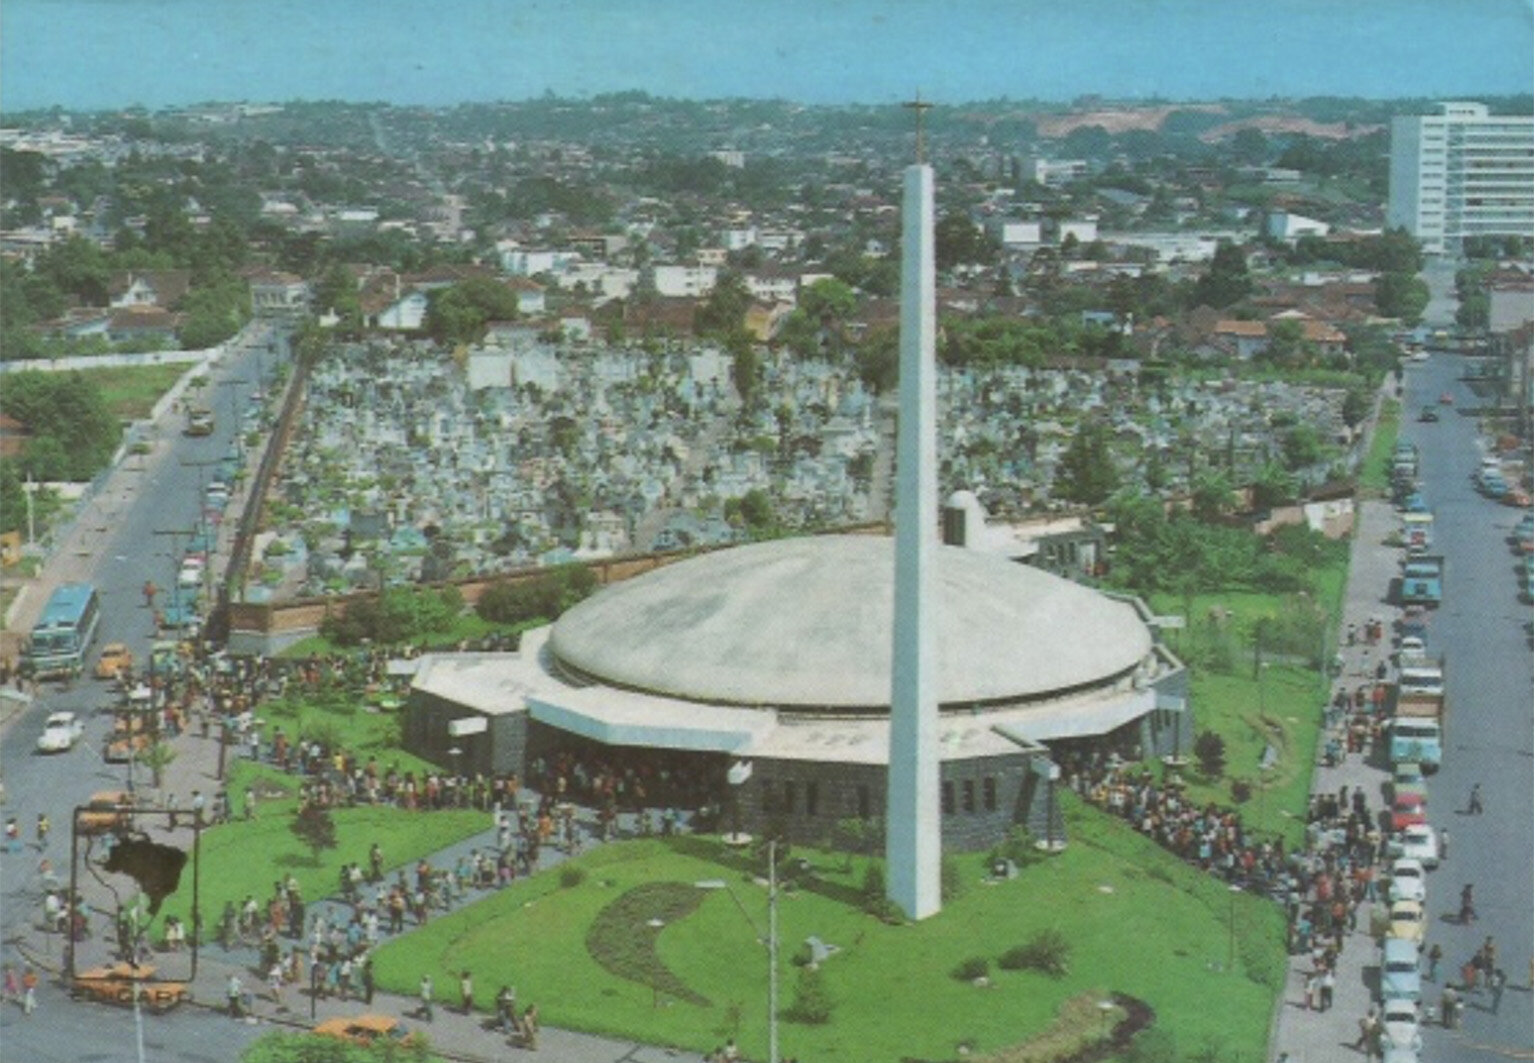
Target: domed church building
x=769, y=665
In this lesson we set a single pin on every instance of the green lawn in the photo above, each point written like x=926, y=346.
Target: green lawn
x=889, y=983
x=1283, y=710
x=247, y=857
x=132, y=391
x=468, y=625
x=1375, y=474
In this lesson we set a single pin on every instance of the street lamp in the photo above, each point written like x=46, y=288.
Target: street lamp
x=772, y=939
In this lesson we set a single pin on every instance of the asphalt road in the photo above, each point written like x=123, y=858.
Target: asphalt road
x=1483, y=630
x=117, y=546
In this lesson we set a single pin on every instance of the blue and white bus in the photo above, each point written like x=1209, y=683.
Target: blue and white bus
x=63, y=634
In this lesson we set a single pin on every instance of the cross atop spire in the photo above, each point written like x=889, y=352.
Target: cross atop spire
x=919, y=106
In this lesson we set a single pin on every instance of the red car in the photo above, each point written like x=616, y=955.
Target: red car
x=1447, y=399
x=1408, y=810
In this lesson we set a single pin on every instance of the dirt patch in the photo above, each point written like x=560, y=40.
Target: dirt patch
x=1272, y=124
x=1114, y=120
x=1078, y=1033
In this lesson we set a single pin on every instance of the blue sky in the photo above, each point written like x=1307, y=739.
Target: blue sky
x=111, y=53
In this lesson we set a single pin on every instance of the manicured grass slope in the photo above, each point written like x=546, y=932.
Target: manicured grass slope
x=1138, y=921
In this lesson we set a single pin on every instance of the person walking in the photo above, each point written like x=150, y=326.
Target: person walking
x=367, y=980
x=426, y=997
x=232, y=995
x=1474, y=805
x=1495, y=982
x=1467, y=904
x=506, y=1009
x=1435, y=954
x=1449, y=1008
x=29, y=991
x=43, y=827
x=466, y=992
x=1329, y=983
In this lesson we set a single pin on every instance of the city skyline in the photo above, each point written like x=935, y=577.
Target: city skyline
x=103, y=54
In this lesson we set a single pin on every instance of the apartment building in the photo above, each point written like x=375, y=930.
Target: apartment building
x=1462, y=172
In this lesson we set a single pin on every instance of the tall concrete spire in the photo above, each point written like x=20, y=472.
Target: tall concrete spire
x=912, y=833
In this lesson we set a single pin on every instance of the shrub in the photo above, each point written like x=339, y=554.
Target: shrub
x=971, y=968
x=572, y=876
x=1210, y=751
x=1046, y=952
x=812, y=1002
x=1241, y=790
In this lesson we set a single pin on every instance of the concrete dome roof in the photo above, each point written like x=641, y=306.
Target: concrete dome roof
x=806, y=623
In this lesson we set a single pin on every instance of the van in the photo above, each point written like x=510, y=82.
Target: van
x=1420, y=677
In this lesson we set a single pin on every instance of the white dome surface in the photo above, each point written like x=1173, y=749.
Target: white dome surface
x=806, y=623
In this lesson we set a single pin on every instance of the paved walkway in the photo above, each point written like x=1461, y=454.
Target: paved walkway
x=452, y=1034
x=1324, y=1037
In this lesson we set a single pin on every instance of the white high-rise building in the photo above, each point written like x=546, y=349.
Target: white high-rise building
x=1462, y=172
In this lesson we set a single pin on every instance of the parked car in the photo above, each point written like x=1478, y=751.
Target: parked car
x=1428, y=413
x=1407, y=778
x=116, y=660
x=1399, y=1026
x=107, y=810
x=1407, y=921
x=60, y=733
x=366, y=1030
x=1400, y=978
x=1409, y=880
x=1408, y=810
x=1418, y=842
x=1446, y=399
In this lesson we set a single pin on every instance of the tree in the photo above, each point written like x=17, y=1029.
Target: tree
x=315, y=828
x=959, y=241
x=1226, y=281
x=1212, y=496
x=1086, y=472
x=1356, y=407
x=458, y=314
x=1402, y=296
x=1210, y=751
x=1302, y=447
x=745, y=372
x=724, y=311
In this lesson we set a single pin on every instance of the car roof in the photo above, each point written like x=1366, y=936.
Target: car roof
x=379, y=1024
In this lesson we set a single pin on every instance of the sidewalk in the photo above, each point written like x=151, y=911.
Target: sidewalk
x=1301, y=1035
x=452, y=1034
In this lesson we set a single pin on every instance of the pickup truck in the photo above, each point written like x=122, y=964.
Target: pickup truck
x=1423, y=580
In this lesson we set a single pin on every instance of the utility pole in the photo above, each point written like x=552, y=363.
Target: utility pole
x=772, y=951
x=234, y=419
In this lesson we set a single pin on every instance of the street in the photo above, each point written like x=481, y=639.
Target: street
x=1483, y=631
x=120, y=541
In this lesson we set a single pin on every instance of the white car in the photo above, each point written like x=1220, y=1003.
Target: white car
x=1409, y=880
x=1399, y=1023
x=191, y=574
x=1417, y=842
x=60, y=733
